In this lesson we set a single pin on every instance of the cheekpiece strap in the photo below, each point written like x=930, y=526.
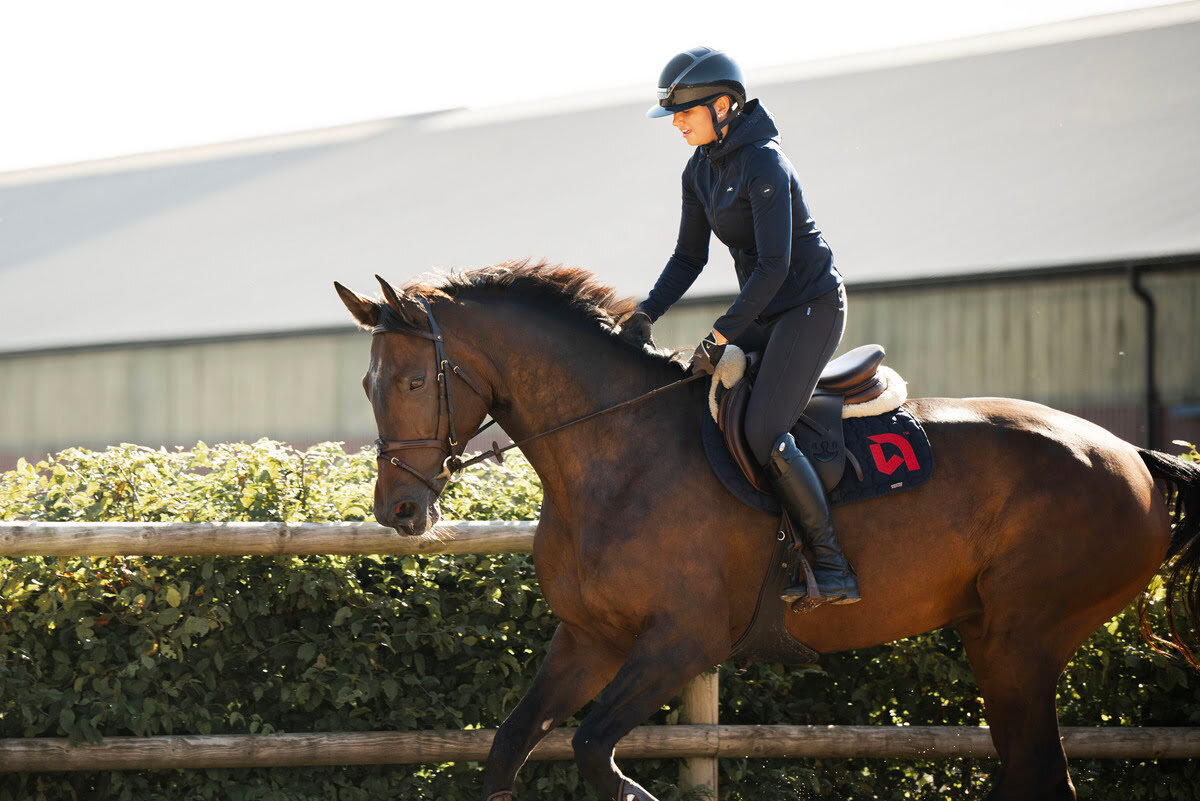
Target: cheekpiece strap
x=445, y=402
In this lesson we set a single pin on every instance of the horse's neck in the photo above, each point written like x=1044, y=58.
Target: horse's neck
x=553, y=372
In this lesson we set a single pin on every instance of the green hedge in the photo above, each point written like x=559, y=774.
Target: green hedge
x=156, y=645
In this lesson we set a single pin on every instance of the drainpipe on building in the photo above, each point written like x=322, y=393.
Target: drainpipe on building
x=1151, y=325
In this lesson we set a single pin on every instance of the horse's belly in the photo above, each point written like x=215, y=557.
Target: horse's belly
x=830, y=628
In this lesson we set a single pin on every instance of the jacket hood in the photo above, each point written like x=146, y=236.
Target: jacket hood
x=753, y=124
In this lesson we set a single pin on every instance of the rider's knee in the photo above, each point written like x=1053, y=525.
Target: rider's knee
x=760, y=436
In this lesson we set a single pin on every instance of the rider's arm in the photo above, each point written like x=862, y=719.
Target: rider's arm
x=769, y=188
x=691, y=254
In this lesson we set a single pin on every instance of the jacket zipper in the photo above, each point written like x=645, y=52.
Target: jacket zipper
x=737, y=267
x=713, y=200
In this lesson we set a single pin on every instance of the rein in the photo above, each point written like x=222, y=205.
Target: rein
x=496, y=451
x=453, y=462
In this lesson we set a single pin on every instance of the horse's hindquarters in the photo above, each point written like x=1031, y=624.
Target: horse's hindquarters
x=1028, y=507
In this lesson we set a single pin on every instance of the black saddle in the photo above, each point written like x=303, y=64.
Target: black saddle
x=849, y=379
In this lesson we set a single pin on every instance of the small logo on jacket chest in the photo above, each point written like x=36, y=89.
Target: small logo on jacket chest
x=729, y=189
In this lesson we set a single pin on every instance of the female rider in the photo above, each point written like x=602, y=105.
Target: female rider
x=792, y=305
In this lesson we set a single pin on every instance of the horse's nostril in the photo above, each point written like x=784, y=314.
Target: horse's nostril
x=406, y=511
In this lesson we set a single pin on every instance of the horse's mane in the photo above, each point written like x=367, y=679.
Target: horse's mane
x=572, y=289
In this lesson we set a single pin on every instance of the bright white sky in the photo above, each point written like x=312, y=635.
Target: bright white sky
x=81, y=79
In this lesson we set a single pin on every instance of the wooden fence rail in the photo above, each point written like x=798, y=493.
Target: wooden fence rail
x=43, y=754
x=700, y=741
x=257, y=539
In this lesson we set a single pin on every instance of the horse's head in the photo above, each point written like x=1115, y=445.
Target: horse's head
x=421, y=420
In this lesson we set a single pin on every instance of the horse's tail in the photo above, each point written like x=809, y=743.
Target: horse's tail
x=1181, y=574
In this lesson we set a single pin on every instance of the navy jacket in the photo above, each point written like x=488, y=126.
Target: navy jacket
x=745, y=191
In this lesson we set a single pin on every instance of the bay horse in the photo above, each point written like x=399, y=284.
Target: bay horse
x=1035, y=528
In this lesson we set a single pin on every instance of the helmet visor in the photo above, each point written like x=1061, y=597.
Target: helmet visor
x=681, y=100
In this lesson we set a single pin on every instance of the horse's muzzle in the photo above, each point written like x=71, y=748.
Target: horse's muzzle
x=411, y=516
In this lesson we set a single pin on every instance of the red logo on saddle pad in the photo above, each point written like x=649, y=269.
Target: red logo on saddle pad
x=889, y=465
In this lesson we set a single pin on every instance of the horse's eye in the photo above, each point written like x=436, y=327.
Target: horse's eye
x=416, y=383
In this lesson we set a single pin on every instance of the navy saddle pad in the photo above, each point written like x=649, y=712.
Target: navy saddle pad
x=892, y=449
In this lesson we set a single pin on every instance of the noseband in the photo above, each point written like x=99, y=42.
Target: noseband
x=453, y=461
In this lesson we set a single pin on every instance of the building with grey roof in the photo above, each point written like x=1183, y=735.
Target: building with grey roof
x=984, y=199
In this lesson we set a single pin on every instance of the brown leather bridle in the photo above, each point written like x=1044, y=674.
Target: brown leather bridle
x=454, y=462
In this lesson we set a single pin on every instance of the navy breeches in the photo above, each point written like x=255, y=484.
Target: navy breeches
x=796, y=346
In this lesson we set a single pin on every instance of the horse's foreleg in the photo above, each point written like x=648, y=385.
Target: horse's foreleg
x=660, y=664
x=573, y=671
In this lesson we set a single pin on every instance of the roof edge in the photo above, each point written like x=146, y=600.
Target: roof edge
x=1063, y=31
x=1080, y=28
x=271, y=143
x=1174, y=262
x=181, y=341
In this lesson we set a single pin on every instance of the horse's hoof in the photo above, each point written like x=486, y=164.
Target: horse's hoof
x=632, y=791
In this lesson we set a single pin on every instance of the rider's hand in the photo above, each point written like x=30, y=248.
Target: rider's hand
x=635, y=328
x=708, y=353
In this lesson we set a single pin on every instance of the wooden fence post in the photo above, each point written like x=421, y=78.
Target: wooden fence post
x=698, y=704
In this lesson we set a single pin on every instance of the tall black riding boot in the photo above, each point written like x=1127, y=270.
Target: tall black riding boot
x=799, y=490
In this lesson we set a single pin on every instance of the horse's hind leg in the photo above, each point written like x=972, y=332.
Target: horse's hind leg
x=1041, y=602
x=1017, y=681
x=571, y=674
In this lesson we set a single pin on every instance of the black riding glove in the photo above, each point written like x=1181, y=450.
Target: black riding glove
x=707, y=354
x=636, y=328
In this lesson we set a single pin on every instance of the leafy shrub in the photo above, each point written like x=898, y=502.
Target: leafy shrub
x=156, y=645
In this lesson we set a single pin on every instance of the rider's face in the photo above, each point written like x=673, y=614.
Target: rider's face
x=696, y=123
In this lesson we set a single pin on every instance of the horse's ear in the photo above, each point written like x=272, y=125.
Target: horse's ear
x=409, y=310
x=365, y=310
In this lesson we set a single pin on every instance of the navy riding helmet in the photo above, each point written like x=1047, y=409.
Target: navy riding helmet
x=699, y=76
